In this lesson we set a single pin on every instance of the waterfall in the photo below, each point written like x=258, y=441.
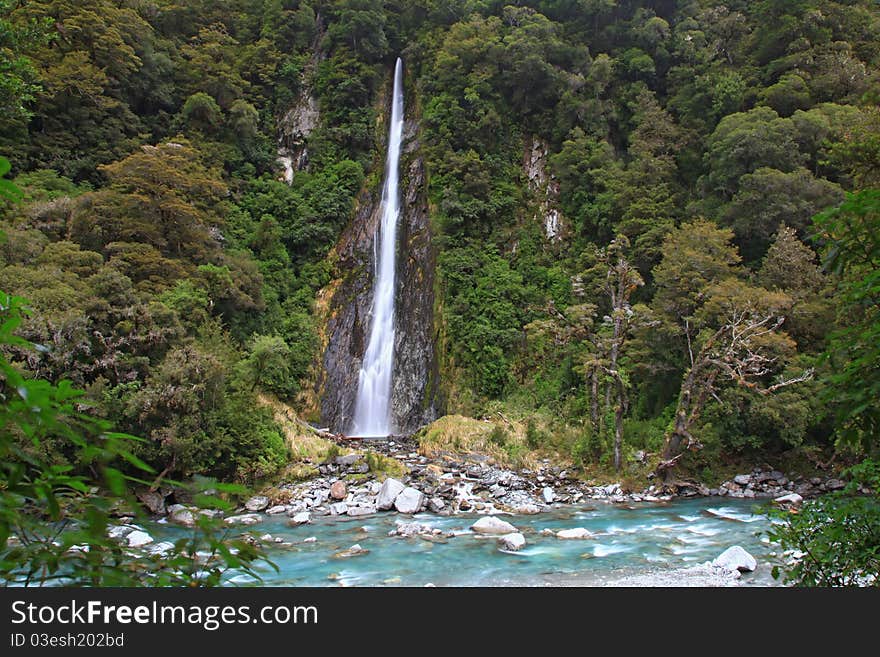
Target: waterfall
x=372, y=411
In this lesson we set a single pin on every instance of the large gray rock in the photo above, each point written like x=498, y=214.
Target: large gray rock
x=338, y=509
x=181, y=515
x=493, y=525
x=792, y=499
x=120, y=531
x=348, y=459
x=278, y=509
x=512, y=542
x=548, y=495
x=574, y=533
x=361, y=510
x=257, y=503
x=244, y=519
x=436, y=504
x=527, y=509
x=410, y=500
x=735, y=558
x=137, y=539
x=742, y=479
x=301, y=518
x=391, y=488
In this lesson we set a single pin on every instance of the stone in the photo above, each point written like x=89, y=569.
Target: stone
x=244, y=519
x=834, y=484
x=527, y=509
x=512, y=542
x=492, y=525
x=120, y=531
x=355, y=511
x=301, y=518
x=138, y=538
x=347, y=459
x=735, y=558
x=278, y=509
x=181, y=515
x=575, y=533
x=742, y=479
x=310, y=539
x=391, y=488
x=436, y=504
x=153, y=500
x=547, y=532
x=353, y=551
x=161, y=549
x=410, y=500
x=548, y=495
x=338, y=509
x=257, y=503
x=338, y=491
x=790, y=499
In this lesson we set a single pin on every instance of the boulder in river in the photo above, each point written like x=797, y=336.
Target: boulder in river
x=244, y=519
x=365, y=510
x=138, y=538
x=257, y=503
x=527, y=509
x=493, y=525
x=735, y=558
x=276, y=510
x=338, y=509
x=301, y=518
x=353, y=551
x=391, y=488
x=574, y=533
x=792, y=499
x=181, y=515
x=548, y=495
x=742, y=479
x=410, y=500
x=436, y=504
x=512, y=542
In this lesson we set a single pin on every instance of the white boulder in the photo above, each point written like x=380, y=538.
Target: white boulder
x=493, y=525
x=575, y=533
x=410, y=500
x=137, y=539
x=389, y=491
x=512, y=542
x=735, y=558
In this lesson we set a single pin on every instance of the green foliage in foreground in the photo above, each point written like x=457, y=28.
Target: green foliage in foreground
x=55, y=515
x=835, y=539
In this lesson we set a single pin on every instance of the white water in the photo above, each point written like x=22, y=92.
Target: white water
x=372, y=411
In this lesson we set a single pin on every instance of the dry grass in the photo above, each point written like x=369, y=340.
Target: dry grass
x=305, y=445
x=503, y=440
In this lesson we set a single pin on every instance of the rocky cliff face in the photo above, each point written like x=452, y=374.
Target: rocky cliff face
x=545, y=187
x=415, y=396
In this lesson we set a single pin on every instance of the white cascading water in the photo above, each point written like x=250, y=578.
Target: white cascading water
x=372, y=411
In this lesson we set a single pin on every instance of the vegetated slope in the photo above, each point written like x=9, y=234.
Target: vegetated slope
x=609, y=184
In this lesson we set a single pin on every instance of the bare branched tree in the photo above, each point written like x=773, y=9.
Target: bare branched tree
x=739, y=351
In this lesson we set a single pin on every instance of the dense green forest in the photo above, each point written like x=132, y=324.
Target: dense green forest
x=712, y=281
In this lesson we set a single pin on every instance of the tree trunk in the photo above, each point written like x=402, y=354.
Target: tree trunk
x=618, y=423
x=594, y=400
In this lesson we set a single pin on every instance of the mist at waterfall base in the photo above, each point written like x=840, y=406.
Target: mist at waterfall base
x=654, y=539
x=372, y=414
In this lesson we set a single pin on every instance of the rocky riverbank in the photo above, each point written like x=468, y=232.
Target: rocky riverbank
x=347, y=485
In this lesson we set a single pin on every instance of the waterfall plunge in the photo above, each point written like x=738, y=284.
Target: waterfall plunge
x=372, y=411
